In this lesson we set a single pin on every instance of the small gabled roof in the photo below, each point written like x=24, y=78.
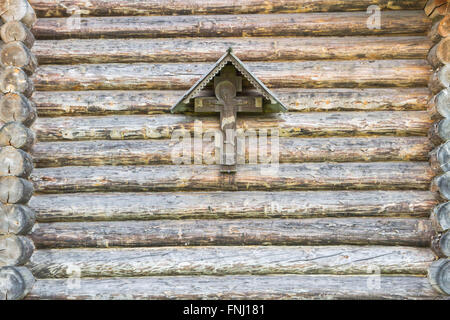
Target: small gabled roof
x=229, y=57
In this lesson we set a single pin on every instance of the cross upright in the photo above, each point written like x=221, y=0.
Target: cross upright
x=228, y=104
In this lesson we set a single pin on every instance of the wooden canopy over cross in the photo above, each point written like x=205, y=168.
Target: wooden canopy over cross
x=230, y=97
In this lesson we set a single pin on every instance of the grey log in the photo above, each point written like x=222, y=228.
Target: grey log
x=18, y=10
x=15, y=162
x=15, y=282
x=439, y=105
x=440, y=158
x=15, y=190
x=15, y=134
x=16, y=219
x=15, y=80
x=16, y=54
x=16, y=107
x=442, y=184
x=440, y=131
x=439, y=276
x=441, y=217
x=441, y=244
x=17, y=31
x=15, y=250
x=440, y=79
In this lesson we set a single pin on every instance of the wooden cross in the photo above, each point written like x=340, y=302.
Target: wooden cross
x=228, y=104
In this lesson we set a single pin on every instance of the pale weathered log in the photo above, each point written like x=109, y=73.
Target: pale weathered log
x=16, y=31
x=176, y=76
x=18, y=10
x=439, y=105
x=309, y=176
x=16, y=107
x=322, y=231
x=64, y=8
x=440, y=217
x=440, y=29
x=442, y=184
x=239, y=287
x=104, y=102
x=304, y=24
x=16, y=219
x=15, y=282
x=17, y=135
x=15, y=250
x=15, y=190
x=291, y=150
x=15, y=80
x=440, y=79
x=214, y=205
x=16, y=54
x=15, y=162
x=441, y=244
x=440, y=158
x=439, y=275
x=141, y=262
x=210, y=50
x=440, y=53
x=408, y=123
x=440, y=131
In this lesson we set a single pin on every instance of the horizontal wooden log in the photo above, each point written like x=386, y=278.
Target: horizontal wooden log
x=17, y=135
x=441, y=244
x=64, y=8
x=440, y=131
x=291, y=150
x=16, y=250
x=440, y=53
x=17, y=31
x=210, y=50
x=18, y=10
x=214, y=205
x=15, y=80
x=16, y=54
x=440, y=29
x=16, y=219
x=438, y=275
x=15, y=162
x=104, y=102
x=439, y=105
x=15, y=190
x=440, y=217
x=16, y=107
x=239, y=287
x=15, y=282
x=440, y=80
x=142, y=262
x=303, y=24
x=440, y=158
x=322, y=231
x=442, y=184
x=411, y=123
x=310, y=176
x=176, y=76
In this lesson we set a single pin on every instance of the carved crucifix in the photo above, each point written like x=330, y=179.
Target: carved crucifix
x=228, y=104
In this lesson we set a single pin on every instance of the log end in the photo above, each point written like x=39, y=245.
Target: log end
x=439, y=276
x=15, y=282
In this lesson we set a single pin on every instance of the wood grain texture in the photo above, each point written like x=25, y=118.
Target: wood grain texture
x=291, y=150
x=17, y=135
x=16, y=107
x=214, y=205
x=442, y=184
x=15, y=190
x=440, y=29
x=322, y=231
x=18, y=10
x=440, y=53
x=309, y=176
x=15, y=250
x=63, y=8
x=17, y=31
x=410, y=123
x=438, y=274
x=300, y=24
x=258, y=260
x=15, y=282
x=440, y=217
x=239, y=287
x=440, y=158
x=441, y=244
x=176, y=76
x=440, y=80
x=210, y=50
x=15, y=162
x=105, y=102
x=439, y=105
x=16, y=219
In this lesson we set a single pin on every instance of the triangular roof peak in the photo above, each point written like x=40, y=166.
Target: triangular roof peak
x=272, y=103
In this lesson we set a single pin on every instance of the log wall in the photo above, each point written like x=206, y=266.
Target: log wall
x=361, y=144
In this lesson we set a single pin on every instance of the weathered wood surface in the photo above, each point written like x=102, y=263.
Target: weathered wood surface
x=16, y=107
x=322, y=231
x=441, y=244
x=440, y=217
x=436, y=8
x=15, y=282
x=440, y=29
x=210, y=50
x=16, y=54
x=440, y=131
x=104, y=102
x=17, y=135
x=15, y=190
x=18, y=10
x=291, y=150
x=439, y=105
x=17, y=31
x=309, y=176
x=214, y=205
x=176, y=76
x=64, y=8
x=408, y=123
x=15, y=162
x=440, y=158
x=442, y=184
x=141, y=262
x=440, y=80
x=15, y=250
x=239, y=287
x=440, y=53
x=303, y=24
x=16, y=219
x=15, y=80
x=438, y=275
